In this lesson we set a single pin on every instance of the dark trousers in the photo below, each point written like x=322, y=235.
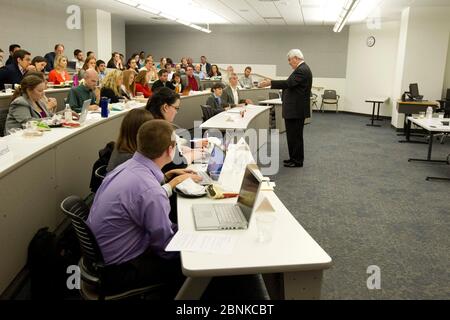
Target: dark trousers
x=145, y=270
x=294, y=133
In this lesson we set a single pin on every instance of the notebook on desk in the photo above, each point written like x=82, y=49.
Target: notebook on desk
x=230, y=216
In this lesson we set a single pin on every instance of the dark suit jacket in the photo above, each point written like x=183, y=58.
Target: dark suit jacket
x=10, y=74
x=296, y=93
x=159, y=84
x=227, y=97
x=50, y=57
x=9, y=61
x=208, y=68
x=214, y=105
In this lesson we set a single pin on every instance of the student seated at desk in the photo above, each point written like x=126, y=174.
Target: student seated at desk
x=111, y=86
x=142, y=80
x=230, y=94
x=130, y=216
x=39, y=63
x=126, y=144
x=164, y=104
x=89, y=63
x=85, y=91
x=26, y=103
x=176, y=82
x=50, y=103
x=128, y=88
x=59, y=74
x=215, y=99
x=162, y=81
x=13, y=73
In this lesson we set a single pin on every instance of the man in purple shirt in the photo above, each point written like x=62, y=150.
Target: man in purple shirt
x=130, y=215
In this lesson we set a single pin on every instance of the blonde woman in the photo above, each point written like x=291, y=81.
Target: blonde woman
x=128, y=87
x=111, y=86
x=59, y=74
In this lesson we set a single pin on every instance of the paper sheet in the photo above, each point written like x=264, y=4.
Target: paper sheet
x=202, y=242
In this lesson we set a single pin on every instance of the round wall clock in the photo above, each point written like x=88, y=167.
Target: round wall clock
x=371, y=41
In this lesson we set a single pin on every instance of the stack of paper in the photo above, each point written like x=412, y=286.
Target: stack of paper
x=189, y=187
x=202, y=242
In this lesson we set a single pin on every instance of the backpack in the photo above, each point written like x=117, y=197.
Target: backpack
x=48, y=259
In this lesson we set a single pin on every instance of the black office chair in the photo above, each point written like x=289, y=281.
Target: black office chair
x=3, y=116
x=91, y=263
x=207, y=112
x=100, y=173
x=330, y=97
x=444, y=106
x=274, y=95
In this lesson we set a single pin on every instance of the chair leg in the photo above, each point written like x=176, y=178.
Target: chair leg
x=321, y=107
x=337, y=107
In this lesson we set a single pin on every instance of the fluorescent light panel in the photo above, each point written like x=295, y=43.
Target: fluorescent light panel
x=345, y=14
x=179, y=9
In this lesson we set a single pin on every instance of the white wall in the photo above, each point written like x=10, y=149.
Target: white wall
x=37, y=26
x=426, y=48
x=447, y=72
x=371, y=71
x=118, y=34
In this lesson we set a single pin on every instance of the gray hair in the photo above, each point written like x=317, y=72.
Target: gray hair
x=295, y=53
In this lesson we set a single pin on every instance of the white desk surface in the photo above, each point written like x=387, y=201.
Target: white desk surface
x=272, y=101
x=291, y=248
x=229, y=120
x=23, y=148
x=50, y=90
x=377, y=99
x=427, y=123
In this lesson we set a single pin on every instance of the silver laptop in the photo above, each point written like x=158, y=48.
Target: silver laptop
x=84, y=111
x=215, y=164
x=230, y=216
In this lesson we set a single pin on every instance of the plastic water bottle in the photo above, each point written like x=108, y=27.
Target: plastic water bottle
x=68, y=113
x=429, y=114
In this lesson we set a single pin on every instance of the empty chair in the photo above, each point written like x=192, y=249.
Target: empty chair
x=314, y=101
x=330, y=97
x=274, y=95
x=91, y=263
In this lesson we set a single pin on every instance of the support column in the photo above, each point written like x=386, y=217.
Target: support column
x=97, y=33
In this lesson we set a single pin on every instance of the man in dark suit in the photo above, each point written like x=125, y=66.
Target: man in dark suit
x=296, y=105
x=13, y=73
x=205, y=66
x=50, y=57
x=163, y=81
x=12, y=48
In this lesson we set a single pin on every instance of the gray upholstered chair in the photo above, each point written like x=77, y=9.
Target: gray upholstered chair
x=330, y=97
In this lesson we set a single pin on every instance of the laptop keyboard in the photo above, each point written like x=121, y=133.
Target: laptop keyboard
x=205, y=177
x=227, y=214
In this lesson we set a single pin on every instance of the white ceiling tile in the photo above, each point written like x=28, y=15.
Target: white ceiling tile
x=291, y=11
x=226, y=12
x=243, y=9
x=264, y=8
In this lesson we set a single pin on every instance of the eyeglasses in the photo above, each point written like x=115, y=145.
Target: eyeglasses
x=175, y=107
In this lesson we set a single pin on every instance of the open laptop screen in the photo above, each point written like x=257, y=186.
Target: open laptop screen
x=248, y=193
x=216, y=160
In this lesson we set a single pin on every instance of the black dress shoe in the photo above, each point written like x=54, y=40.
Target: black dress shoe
x=293, y=165
x=287, y=161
